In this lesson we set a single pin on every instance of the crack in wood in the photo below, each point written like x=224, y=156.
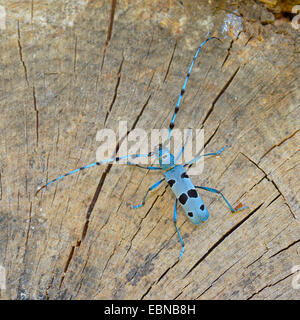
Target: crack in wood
x=71, y=253
x=226, y=235
x=248, y=40
x=228, y=53
x=48, y=288
x=257, y=259
x=214, y=281
x=228, y=166
x=268, y=286
x=21, y=54
x=278, y=195
x=167, y=270
x=115, y=92
x=258, y=182
x=170, y=62
x=141, y=221
x=140, y=114
x=107, y=261
x=279, y=144
x=144, y=295
x=148, y=86
x=229, y=49
x=286, y=248
x=36, y=115
x=152, y=205
x=227, y=84
x=211, y=137
x=181, y=292
x=273, y=182
x=286, y=202
x=29, y=225
x=109, y=30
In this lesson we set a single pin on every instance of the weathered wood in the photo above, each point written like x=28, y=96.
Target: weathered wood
x=66, y=68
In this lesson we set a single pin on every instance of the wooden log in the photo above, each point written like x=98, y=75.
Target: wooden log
x=69, y=70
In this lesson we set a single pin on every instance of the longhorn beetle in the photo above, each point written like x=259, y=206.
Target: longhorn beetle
x=175, y=174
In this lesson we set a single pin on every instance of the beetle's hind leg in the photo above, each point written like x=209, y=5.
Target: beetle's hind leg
x=175, y=223
x=219, y=192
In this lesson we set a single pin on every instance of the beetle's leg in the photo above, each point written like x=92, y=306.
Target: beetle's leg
x=150, y=189
x=219, y=192
x=175, y=223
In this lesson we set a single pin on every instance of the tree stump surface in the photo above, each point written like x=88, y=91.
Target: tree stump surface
x=69, y=70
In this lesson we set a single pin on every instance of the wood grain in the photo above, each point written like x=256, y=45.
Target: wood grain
x=69, y=70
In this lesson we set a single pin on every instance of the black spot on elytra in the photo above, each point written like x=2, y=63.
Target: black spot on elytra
x=176, y=110
x=190, y=214
x=182, y=92
x=171, y=126
x=183, y=198
x=171, y=182
x=202, y=207
x=184, y=175
x=192, y=193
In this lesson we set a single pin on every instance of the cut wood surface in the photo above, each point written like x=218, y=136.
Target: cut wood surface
x=72, y=68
